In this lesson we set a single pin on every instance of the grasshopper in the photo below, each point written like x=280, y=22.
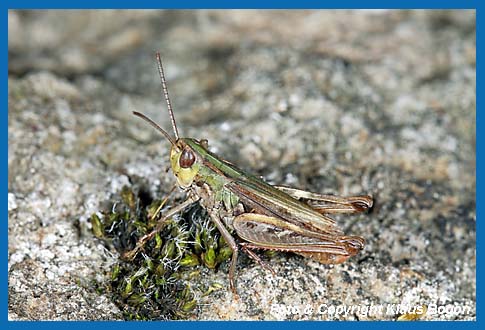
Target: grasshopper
x=261, y=216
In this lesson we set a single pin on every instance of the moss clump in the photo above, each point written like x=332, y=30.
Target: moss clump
x=151, y=286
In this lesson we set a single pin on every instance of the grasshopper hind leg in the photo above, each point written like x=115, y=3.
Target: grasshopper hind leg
x=256, y=258
x=352, y=245
x=271, y=233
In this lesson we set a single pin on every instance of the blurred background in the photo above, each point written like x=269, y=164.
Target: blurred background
x=342, y=102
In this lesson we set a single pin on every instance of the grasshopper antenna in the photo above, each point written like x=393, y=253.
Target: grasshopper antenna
x=151, y=122
x=167, y=98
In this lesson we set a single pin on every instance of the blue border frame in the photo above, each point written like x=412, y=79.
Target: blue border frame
x=478, y=193
x=245, y=4
x=192, y=4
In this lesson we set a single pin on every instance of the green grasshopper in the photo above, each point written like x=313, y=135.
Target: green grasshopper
x=261, y=215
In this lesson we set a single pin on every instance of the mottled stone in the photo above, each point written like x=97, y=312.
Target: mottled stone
x=342, y=102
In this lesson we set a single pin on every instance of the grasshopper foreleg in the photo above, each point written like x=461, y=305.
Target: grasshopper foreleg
x=162, y=204
x=214, y=215
x=145, y=238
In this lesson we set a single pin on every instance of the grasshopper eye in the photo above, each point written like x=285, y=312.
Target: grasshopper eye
x=187, y=158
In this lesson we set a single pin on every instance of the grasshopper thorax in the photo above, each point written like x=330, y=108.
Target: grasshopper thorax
x=184, y=161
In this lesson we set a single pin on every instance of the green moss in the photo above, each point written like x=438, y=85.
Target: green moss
x=151, y=286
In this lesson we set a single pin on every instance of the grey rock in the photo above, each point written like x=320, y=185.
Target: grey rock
x=342, y=102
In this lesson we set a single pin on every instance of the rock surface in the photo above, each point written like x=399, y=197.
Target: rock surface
x=342, y=102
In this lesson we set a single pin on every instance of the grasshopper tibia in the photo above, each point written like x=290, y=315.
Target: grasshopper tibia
x=256, y=258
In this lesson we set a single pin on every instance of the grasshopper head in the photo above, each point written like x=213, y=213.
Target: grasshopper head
x=184, y=161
